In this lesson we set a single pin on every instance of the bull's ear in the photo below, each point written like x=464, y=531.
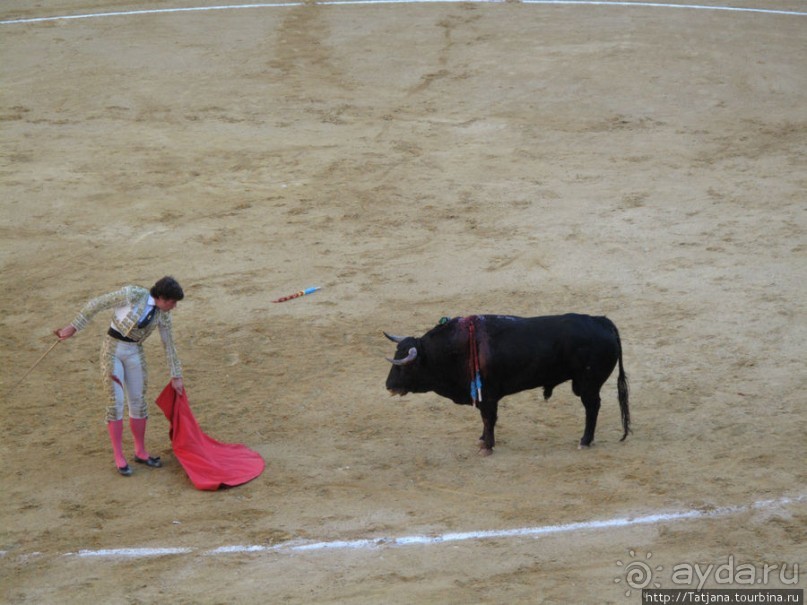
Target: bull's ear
x=394, y=338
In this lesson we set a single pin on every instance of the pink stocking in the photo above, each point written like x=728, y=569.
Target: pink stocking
x=115, y=428
x=138, y=426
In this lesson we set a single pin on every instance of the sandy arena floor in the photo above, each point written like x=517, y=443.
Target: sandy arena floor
x=416, y=161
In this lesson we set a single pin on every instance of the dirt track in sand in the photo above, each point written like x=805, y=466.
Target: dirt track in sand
x=415, y=161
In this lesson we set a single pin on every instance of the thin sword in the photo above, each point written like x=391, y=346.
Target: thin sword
x=31, y=369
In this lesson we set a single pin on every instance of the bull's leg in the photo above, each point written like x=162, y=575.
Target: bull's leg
x=489, y=412
x=591, y=401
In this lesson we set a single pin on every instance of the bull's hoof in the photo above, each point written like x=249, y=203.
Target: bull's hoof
x=582, y=446
x=485, y=451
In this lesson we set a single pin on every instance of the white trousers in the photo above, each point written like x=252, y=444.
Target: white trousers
x=125, y=378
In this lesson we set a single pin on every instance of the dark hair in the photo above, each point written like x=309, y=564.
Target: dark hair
x=167, y=288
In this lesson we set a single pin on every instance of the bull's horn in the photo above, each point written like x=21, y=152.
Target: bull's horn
x=413, y=352
x=394, y=338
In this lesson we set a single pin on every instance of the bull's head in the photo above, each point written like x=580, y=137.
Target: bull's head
x=427, y=363
x=403, y=375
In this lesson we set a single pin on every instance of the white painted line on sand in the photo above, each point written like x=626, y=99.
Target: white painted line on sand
x=132, y=553
x=190, y=9
x=297, y=546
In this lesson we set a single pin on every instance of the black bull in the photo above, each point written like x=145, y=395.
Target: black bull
x=510, y=355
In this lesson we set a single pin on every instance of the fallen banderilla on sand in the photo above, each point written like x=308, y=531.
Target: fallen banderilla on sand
x=297, y=294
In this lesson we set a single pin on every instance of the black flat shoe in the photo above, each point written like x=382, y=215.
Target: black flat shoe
x=152, y=461
x=125, y=470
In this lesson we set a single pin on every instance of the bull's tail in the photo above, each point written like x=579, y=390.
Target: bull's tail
x=622, y=390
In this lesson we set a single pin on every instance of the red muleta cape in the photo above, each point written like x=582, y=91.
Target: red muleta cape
x=210, y=464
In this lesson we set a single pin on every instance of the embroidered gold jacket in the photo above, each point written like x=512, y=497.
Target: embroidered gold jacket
x=129, y=303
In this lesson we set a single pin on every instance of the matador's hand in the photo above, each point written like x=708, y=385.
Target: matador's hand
x=65, y=333
x=178, y=385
